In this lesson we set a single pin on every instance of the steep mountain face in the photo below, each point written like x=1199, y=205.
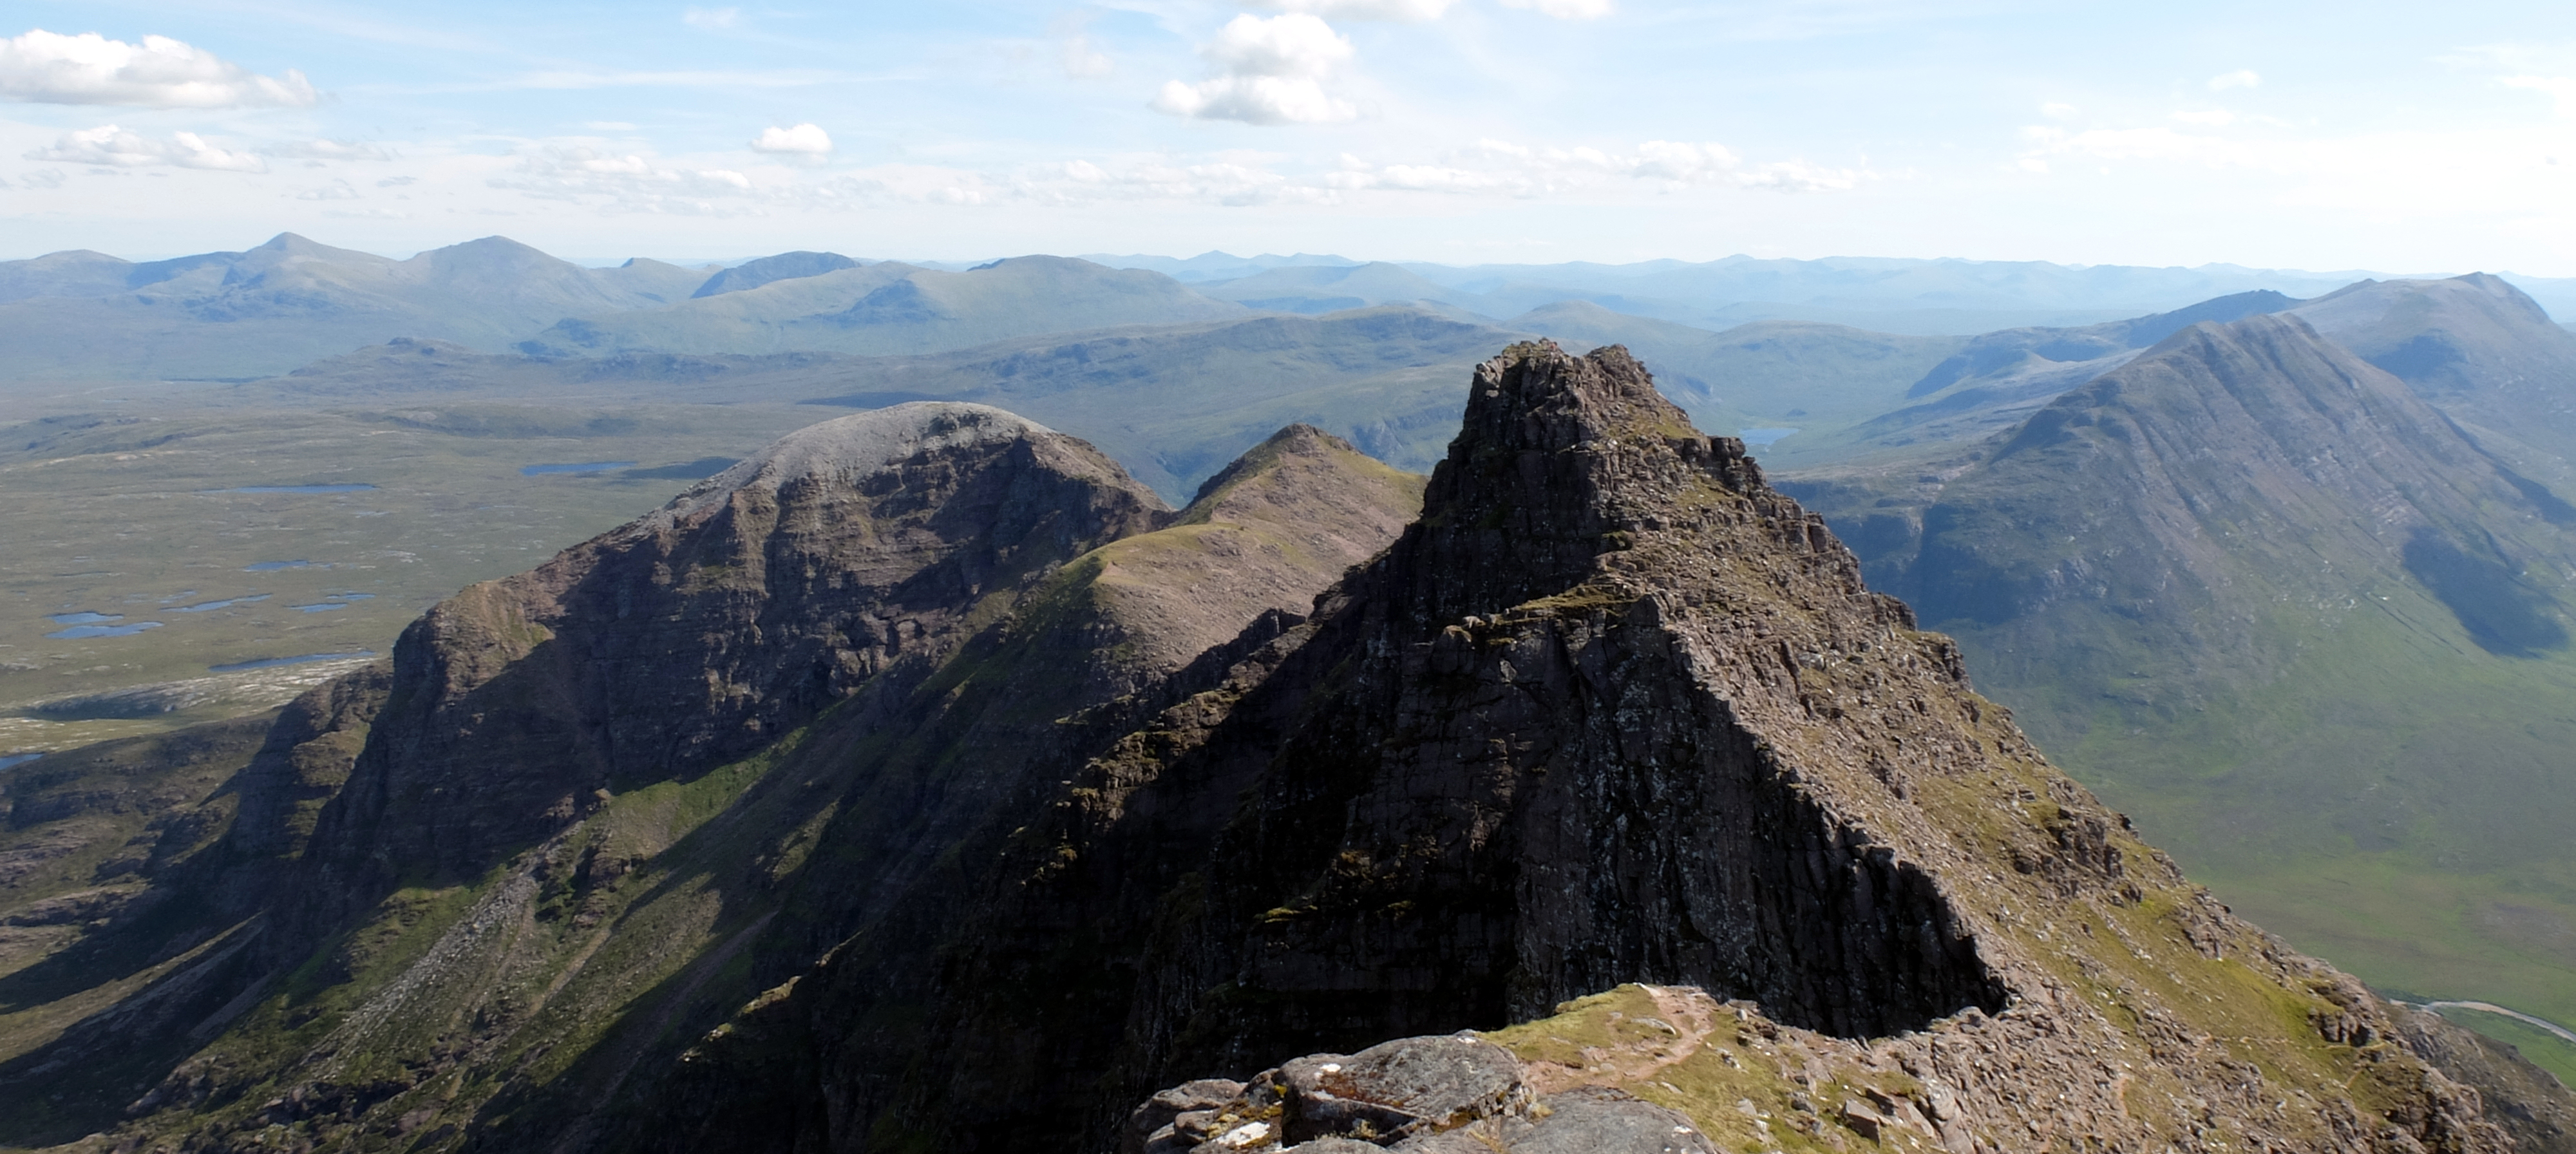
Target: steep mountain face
x=290, y=301
x=2300, y=620
x=1613, y=710
x=587, y=811
x=790, y=580
x=891, y=308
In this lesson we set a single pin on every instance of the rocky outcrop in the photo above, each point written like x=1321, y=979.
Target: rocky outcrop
x=922, y=783
x=1456, y=1094
x=856, y=548
x=804, y=702
x=1612, y=711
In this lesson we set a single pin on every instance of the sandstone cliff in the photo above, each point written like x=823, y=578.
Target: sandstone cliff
x=1612, y=711
x=586, y=811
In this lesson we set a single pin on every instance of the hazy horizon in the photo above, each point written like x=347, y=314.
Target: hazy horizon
x=1453, y=131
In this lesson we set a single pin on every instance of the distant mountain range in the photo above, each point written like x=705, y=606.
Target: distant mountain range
x=86, y=316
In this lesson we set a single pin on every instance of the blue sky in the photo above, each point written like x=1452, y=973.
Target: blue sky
x=2400, y=137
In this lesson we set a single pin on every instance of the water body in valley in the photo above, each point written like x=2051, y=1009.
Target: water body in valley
x=82, y=632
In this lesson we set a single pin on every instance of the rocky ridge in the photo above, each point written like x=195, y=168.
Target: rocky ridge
x=1613, y=711
x=471, y=891
x=662, y=846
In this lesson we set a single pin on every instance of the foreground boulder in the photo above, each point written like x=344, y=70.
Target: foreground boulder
x=1455, y=1094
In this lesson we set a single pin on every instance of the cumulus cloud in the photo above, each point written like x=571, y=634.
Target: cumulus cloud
x=113, y=147
x=1270, y=71
x=1564, y=9
x=2241, y=78
x=1400, y=11
x=805, y=141
x=47, y=68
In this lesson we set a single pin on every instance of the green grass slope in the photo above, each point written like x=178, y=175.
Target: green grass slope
x=2265, y=599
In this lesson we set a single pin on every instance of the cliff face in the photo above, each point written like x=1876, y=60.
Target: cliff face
x=1612, y=711
x=712, y=627
x=486, y=892
x=922, y=784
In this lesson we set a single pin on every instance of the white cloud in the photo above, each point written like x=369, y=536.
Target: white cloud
x=1265, y=100
x=1564, y=9
x=1400, y=11
x=2212, y=117
x=711, y=18
x=113, y=147
x=44, y=178
x=327, y=150
x=1271, y=72
x=805, y=142
x=2241, y=78
x=1296, y=44
x=2058, y=111
x=632, y=182
x=48, y=68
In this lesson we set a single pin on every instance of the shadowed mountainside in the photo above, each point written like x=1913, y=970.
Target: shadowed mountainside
x=1612, y=710
x=900, y=616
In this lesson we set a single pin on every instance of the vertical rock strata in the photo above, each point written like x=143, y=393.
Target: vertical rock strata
x=1612, y=711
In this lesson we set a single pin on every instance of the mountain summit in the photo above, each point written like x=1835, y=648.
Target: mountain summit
x=923, y=783
x=1613, y=711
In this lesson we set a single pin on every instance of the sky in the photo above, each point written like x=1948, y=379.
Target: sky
x=2406, y=137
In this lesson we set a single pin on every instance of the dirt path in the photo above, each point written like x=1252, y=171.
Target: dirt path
x=2564, y=1034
